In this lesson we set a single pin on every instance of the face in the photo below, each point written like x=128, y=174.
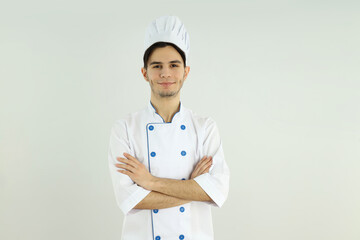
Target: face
x=165, y=72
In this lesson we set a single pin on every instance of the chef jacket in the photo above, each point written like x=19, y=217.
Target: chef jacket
x=168, y=150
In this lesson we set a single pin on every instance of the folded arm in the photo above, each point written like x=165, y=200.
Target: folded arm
x=165, y=192
x=187, y=189
x=156, y=200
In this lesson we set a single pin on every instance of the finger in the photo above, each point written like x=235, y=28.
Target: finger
x=121, y=159
x=128, y=156
x=131, y=158
x=126, y=173
x=123, y=172
x=204, y=162
x=127, y=161
x=119, y=165
x=126, y=167
x=198, y=165
x=203, y=159
x=195, y=172
x=207, y=169
x=206, y=166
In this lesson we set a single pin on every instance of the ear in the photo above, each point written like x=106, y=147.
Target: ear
x=187, y=70
x=144, y=72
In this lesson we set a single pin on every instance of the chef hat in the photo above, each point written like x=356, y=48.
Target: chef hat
x=167, y=29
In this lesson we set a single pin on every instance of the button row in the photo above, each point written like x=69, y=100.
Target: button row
x=151, y=127
x=181, y=209
x=181, y=237
x=153, y=154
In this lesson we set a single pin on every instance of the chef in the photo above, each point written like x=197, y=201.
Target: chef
x=166, y=162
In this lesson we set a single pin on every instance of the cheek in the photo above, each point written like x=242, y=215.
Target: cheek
x=151, y=75
x=179, y=74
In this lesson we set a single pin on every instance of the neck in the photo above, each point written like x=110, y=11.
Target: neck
x=166, y=107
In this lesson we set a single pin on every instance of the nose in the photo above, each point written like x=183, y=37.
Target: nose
x=165, y=72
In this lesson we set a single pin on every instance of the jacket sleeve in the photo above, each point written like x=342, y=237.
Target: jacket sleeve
x=216, y=182
x=127, y=193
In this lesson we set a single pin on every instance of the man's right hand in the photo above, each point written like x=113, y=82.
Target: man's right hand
x=202, y=167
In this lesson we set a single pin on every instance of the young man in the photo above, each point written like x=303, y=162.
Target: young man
x=167, y=164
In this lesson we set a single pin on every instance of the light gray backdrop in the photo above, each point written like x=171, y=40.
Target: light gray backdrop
x=281, y=78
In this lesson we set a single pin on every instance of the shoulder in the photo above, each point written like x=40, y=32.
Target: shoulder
x=206, y=129
x=128, y=121
x=201, y=121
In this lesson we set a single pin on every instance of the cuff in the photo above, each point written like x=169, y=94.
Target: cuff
x=206, y=183
x=128, y=205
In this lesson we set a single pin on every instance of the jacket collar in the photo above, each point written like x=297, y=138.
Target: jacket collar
x=157, y=116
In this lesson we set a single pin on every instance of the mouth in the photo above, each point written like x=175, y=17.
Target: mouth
x=166, y=84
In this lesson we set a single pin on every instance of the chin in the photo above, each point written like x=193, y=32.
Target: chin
x=167, y=94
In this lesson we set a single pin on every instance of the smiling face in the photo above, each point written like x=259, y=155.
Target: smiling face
x=165, y=72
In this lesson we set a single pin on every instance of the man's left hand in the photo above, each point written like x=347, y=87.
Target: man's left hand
x=135, y=170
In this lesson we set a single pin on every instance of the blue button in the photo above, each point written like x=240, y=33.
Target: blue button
x=183, y=153
x=156, y=210
x=158, y=238
x=151, y=127
x=181, y=237
x=183, y=127
x=153, y=154
x=183, y=179
x=182, y=209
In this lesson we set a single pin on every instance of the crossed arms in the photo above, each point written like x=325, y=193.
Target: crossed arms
x=165, y=192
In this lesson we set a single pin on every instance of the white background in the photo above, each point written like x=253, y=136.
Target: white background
x=281, y=78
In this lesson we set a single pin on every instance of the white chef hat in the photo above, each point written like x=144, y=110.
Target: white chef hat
x=167, y=29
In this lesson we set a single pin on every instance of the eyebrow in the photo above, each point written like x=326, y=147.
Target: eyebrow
x=174, y=61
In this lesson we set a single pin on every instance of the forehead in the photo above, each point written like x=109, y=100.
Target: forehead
x=165, y=54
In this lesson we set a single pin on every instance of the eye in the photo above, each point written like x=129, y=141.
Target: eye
x=174, y=65
x=156, y=66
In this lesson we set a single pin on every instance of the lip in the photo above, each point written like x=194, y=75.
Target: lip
x=166, y=84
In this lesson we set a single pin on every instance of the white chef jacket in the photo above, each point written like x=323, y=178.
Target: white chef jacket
x=168, y=150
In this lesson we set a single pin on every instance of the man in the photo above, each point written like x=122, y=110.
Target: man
x=167, y=164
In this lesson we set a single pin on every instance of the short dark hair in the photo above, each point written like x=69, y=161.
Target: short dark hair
x=156, y=45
